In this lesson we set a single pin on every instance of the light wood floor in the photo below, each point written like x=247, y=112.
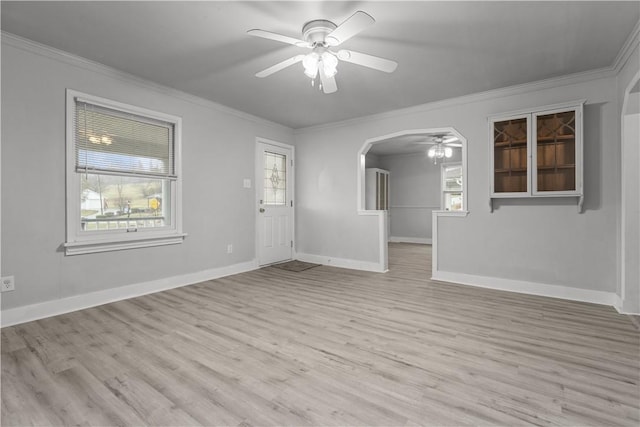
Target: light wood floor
x=326, y=346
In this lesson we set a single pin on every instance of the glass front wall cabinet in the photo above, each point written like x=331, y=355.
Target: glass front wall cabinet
x=537, y=153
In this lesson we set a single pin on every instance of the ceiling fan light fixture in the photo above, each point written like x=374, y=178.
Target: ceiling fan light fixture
x=321, y=65
x=330, y=64
x=310, y=64
x=439, y=152
x=448, y=152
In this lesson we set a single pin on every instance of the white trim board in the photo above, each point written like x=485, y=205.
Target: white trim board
x=342, y=262
x=27, y=313
x=530, y=288
x=521, y=89
x=618, y=303
x=419, y=240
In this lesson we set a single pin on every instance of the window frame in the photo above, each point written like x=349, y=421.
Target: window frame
x=443, y=189
x=80, y=241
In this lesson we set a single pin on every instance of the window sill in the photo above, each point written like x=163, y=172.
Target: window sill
x=451, y=213
x=90, y=247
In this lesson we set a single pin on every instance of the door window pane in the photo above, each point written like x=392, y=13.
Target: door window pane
x=275, y=179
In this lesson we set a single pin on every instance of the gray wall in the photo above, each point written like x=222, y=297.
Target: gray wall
x=536, y=240
x=414, y=193
x=218, y=153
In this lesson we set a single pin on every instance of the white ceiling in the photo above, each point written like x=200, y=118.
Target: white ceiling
x=444, y=49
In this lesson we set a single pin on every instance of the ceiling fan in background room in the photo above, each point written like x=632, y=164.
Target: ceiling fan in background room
x=441, y=146
x=321, y=64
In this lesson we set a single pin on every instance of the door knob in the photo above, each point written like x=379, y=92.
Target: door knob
x=261, y=210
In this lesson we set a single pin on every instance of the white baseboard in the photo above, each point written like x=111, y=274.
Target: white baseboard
x=619, y=306
x=419, y=240
x=342, y=262
x=532, y=288
x=41, y=310
x=617, y=303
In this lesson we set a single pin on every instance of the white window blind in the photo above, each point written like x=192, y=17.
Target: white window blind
x=115, y=142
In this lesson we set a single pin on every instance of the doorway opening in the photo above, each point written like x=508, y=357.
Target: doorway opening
x=424, y=171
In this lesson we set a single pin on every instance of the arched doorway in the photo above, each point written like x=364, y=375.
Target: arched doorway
x=444, y=151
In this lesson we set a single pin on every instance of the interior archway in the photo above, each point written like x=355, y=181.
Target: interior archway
x=414, y=144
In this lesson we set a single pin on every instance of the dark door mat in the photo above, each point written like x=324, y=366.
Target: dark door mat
x=295, y=266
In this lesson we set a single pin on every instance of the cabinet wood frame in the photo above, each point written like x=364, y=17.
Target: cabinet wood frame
x=531, y=116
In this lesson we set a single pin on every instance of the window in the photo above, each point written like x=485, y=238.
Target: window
x=452, y=191
x=123, y=180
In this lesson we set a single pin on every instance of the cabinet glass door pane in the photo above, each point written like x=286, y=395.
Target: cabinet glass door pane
x=556, y=151
x=510, y=156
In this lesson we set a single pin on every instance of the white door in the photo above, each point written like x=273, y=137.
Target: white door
x=274, y=187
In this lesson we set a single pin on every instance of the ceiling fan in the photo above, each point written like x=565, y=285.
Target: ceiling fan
x=441, y=146
x=320, y=35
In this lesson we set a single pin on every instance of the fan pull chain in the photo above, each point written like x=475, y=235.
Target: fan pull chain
x=313, y=83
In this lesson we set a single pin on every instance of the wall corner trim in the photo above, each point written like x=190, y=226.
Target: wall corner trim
x=617, y=303
x=27, y=313
x=342, y=262
x=531, y=288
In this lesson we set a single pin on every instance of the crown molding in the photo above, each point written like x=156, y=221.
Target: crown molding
x=31, y=46
x=611, y=71
x=627, y=49
x=550, y=83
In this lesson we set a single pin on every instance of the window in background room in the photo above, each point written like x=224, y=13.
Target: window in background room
x=122, y=176
x=452, y=190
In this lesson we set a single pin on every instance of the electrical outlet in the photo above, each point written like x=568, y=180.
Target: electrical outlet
x=229, y=248
x=8, y=284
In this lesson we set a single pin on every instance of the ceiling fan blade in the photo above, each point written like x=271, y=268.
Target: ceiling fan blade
x=278, y=37
x=450, y=144
x=328, y=83
x=280, y=66
x=349, y=28
x=370, y=61
x=450, y=139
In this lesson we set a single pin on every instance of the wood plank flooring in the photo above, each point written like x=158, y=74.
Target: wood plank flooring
x=326, y=346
